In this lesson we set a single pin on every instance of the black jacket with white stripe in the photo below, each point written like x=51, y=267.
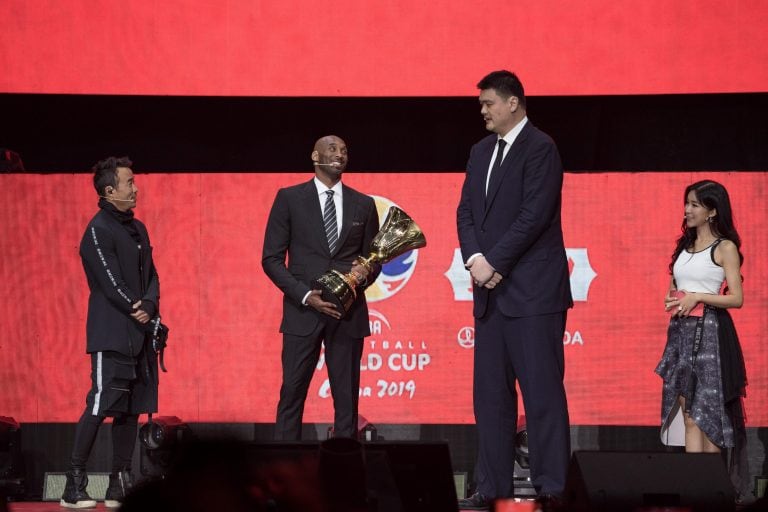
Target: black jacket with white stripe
x=120, y=272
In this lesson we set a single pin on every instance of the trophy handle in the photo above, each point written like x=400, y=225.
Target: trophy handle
x=366, y=262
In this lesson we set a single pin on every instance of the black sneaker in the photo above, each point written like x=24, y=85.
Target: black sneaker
x=119, y=485
x=75, y=495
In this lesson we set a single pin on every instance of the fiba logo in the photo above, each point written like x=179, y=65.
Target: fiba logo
x=396, y=273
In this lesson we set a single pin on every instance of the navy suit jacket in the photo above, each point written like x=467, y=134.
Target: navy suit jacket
x=295, y=230
x=517, y=225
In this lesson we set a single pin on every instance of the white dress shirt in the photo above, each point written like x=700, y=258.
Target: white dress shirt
x=509, y=138
x=322, y=197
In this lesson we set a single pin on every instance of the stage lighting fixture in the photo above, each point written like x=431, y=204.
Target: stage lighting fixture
x=160, y=438
x=162, y=432
x=521, y=446
x=366, y=431
x=11, y=463
x=523, y=486
x=10, y=161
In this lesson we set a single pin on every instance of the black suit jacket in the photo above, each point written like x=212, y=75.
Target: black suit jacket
x=517, y=225
x=295, y=229
x=119, y=275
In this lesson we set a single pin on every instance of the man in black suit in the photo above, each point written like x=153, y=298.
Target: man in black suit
x=123, y=318
x=296, y=229
x=511, y=240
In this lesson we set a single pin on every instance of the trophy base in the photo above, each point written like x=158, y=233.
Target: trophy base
x=337, y=289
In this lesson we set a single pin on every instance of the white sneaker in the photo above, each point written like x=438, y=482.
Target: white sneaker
x=78, y=504
x=112, y=503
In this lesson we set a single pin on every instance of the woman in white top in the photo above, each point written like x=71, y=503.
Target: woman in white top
x=702, y=365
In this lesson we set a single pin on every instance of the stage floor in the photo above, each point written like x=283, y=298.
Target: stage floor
x=48, y=506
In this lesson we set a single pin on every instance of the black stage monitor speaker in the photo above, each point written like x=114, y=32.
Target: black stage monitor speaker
x=422, y=473
x=625, y=481
x=399, y=476
x=12, y=482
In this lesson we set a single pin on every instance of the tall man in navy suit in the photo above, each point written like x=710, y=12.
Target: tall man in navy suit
x=511, y=240
x=296, y=230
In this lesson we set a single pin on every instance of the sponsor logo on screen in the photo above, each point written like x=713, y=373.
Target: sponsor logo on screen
x=396, y=273
x=581, y=271
x=466, y=337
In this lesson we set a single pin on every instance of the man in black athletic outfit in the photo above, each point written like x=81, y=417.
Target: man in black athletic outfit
x=121, y=330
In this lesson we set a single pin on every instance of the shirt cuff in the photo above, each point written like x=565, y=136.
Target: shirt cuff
x=471, y=259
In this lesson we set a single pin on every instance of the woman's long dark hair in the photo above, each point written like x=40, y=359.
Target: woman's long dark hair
x=713, y=196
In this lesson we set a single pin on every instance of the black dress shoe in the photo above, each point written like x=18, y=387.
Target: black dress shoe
x=475, y=502
x=550, y=502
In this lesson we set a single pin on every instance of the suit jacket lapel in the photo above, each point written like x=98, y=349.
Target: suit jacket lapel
x=349, y=213
x=513, y=155
x=316, y=215
x=485, y=163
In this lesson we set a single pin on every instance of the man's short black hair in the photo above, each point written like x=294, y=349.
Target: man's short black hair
x=505, y=83
x=105, y=172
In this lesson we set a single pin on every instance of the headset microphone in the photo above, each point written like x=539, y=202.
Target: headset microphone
x=116, y=199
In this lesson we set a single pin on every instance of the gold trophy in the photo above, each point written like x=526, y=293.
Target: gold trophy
x=398, y=234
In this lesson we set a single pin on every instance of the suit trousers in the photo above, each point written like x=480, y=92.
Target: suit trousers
x=299, y=358
x=528, y=350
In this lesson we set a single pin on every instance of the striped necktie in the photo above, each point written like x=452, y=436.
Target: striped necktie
x=329, y=219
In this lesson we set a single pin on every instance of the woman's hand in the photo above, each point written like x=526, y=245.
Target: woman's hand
x=681, y=302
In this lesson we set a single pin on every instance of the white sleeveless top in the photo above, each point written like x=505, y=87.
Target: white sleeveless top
x=697, y=272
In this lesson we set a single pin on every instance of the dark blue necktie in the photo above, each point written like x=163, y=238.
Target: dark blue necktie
x=496, y=163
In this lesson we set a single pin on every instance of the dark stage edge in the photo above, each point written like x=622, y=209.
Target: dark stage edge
x=46, y=447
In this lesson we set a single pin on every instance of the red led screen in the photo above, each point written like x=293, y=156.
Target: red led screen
x=224, y=348
x=393, y=48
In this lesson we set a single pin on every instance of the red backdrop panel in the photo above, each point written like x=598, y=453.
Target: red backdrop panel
x=394, y=48
x=224, y=349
